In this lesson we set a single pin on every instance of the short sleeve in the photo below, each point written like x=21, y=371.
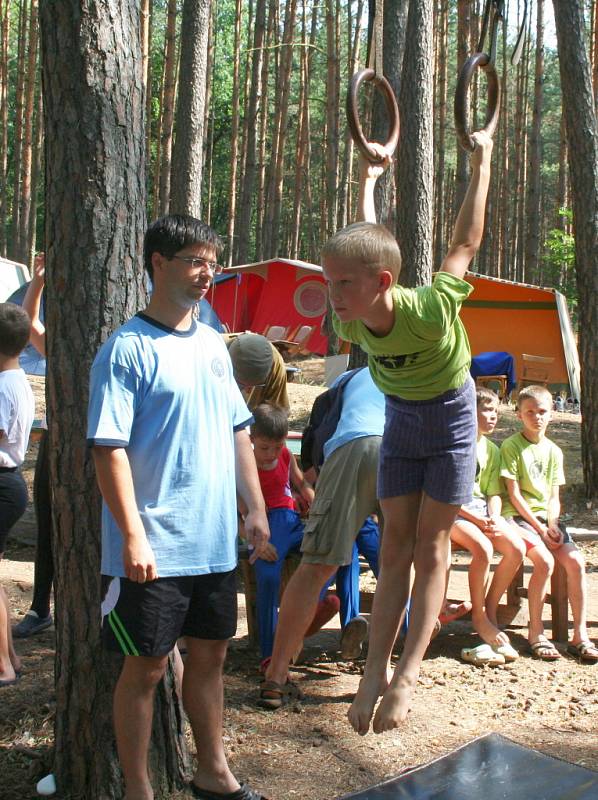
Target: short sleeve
x=113, y=396
x=509, y=461
x=494, y=486
x=440, y=304
x=6, y=412
x=558, y=472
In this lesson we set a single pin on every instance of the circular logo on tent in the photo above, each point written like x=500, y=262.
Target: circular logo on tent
x=310, y=299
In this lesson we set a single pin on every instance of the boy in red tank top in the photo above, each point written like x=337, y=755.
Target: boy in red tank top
x=279, y=475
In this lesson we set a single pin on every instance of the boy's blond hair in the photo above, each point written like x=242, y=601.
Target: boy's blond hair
x=373, y=245
x=536, y=393
x=484, y=396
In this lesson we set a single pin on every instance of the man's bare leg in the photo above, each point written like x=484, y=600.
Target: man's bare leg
x=133, y=707
x=297, y=610
x=430, y=556
x=392, y=592
x=203, y=699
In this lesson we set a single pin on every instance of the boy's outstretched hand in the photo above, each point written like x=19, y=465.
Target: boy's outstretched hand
x=483, y=149
x=369, y=171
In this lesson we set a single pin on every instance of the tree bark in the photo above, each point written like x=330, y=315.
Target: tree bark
x=534, y=183
x=95, y=216
x=234, y=144
x=582, y=134
x=187, y=154
x=415, y=187
x=164, y=154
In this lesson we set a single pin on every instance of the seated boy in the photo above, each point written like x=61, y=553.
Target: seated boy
x=16, y=418
x=532, y=469
x=279, y=474
x=480, y=529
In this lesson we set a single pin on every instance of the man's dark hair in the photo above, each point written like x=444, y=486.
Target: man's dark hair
x=270, y=422
x=15, y=329
x=168, y=235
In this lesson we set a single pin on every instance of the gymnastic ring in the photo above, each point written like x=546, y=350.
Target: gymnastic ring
x=392, y=108
x=492, y=111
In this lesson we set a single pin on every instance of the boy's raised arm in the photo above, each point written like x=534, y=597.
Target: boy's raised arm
x=368, y=175
x=32, y=303
x=469, y=227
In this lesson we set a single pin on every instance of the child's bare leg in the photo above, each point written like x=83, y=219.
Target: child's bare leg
x=9, y=661
x=512, y=549
x=392, y=591
x=469, y=536
x=297, y=610
x=543, y=564
x=573, y=562
x=432, y=543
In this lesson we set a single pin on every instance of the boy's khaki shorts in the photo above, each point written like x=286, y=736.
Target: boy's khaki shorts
x=345, y=497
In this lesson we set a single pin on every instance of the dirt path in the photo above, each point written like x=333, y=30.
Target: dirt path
x=307, y=750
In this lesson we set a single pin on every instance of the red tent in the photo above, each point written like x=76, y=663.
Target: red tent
x=278, y=293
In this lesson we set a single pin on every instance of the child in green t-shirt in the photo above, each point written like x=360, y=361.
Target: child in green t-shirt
x=532, y=469
x=481, y=529
x=419, y=358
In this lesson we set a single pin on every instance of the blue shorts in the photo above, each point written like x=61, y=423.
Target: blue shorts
x=430, y=446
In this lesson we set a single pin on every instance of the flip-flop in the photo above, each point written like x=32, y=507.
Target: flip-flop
x=459, y=610
x=482, y=655
x=507, y=650
x=273, y=695
x=584, y=651
x=544, y=650
x=10, y=681
x=244, y=793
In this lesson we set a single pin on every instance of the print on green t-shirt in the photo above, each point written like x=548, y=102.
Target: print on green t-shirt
x=427, y=351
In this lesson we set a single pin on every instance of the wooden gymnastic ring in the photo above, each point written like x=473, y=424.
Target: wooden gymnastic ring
x=473, y=62
x=386, y=89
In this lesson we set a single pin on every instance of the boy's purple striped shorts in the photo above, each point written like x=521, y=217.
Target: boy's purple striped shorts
x=430, y=446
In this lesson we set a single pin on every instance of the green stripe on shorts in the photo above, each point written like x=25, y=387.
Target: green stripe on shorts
x=122, y=637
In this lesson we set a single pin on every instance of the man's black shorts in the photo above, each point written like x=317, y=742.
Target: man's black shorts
x=146, y=619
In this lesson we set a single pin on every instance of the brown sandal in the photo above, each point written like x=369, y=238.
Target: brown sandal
x=274, y=695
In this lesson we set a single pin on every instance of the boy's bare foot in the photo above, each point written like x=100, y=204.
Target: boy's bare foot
x=395, y=704
x=487, y=631
x=362, y=707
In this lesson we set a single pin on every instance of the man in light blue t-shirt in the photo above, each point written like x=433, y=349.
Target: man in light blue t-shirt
x=167, y=423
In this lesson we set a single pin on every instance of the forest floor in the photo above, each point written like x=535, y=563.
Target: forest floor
x=307, y=750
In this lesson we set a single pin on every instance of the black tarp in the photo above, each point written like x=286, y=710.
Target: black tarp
x=489, y=768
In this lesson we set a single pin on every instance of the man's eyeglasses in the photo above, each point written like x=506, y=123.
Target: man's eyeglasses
x=203, y=264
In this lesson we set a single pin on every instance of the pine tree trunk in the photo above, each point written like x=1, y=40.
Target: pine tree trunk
x=415, y=186
x=248, y=178
x=18, y=131
x=534, y=184
x=4, y=38
x=234, y=143
x=36, y=174
x=167, y=105
x=95, y=216
x=187, y=154
x=27, y=159
x=582, y=133
x=440, y=140
x=463, y=52
x=332, y=103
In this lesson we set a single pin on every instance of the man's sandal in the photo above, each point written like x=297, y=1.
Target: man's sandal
x=244, y=793
x=274, y=695
x=584, y=651
x=544, y=650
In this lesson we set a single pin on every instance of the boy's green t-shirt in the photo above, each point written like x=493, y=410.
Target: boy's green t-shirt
x=487, y=475
x=536, y=466
x=427, y=351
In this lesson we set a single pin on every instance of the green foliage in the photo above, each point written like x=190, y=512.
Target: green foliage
x=559, y=261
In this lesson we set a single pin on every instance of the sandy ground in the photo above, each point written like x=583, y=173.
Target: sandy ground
x=307, y=750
